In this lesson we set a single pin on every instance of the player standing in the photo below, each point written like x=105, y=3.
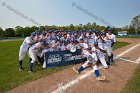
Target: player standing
x=112, y=38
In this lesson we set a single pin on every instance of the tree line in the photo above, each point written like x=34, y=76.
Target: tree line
x=19, y=31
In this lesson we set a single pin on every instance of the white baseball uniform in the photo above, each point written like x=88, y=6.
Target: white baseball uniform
x=100, y=42
x=24, y=47
x=94, y=59
x=107, y=46
x=100, y=56
x=33, y=53
x=112, y=36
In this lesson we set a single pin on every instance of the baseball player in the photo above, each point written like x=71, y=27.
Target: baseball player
x=98, y=39
x=70, y=45
x=24, y=48
x=92, y=61
x=90, y=41
x=82, y=44
x=107, y=45
x=100, y=54
x=43, y=35
x=61, y=46
x=37, y=38
x=46, y=49
x=112, y=39
x=53, y=42
x=33, y=51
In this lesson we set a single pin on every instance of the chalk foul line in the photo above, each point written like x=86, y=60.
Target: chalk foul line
x=62, y=88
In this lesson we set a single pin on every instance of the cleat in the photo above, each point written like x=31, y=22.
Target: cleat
x=30, y=71
x=101, y=78
x=111, y=63
x=75, y=70
x=20, y=69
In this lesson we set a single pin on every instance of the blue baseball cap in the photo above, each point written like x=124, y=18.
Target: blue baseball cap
x=110, y=29
x=33, y=34
x=82, y=39
x=97, y=32
x=44, y=33
x=42, y=40
x=46, y=44
x=89, y=48
x=50, y=31
x=75, y=41
x=96, y=43
x=60, y=41
x=103, y=33
x=38, y=32
x=94, y=30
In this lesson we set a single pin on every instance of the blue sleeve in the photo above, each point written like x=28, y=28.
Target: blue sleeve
x=113, y=44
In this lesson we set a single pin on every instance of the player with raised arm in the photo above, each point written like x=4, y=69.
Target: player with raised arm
x=24, y=48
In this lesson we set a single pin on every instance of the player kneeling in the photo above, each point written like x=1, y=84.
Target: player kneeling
x=33, y=51
x=92, y=61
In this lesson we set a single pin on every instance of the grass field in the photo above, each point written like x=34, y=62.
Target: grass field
x=133, y=85
x=10, y=77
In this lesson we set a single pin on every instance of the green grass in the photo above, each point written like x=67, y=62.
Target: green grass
x=133, y=85
x=119, y=45
x=10, y=77
x=138, y=36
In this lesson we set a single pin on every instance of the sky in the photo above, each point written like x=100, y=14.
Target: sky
x=117, y=13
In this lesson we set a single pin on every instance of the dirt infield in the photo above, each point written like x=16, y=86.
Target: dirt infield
x=117, y=76
x=7, y=40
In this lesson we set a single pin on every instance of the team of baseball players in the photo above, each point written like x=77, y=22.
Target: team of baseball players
x=96, y=47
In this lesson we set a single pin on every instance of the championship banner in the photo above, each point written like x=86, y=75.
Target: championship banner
x=62, y=58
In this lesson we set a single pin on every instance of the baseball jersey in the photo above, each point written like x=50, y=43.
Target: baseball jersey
x=98, y=52
x=25, y=45
x=112, y=36
x=69, y=46
x=35, y=46
x=90, y=41
x=84, y=45
x=94, y=57
x=61, y=48
x=37, y=38
x=107, y=43
x=46, y=50
x=100, y=42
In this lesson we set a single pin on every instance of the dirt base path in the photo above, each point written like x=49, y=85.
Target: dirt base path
x=67, y=81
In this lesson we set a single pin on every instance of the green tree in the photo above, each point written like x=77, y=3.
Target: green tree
x=26, y=31
x=19, y=31
x=1, y=32
x=33, y=28
x=88, y=25
x=42, y=28
x=10, y=32
x=71, y=27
